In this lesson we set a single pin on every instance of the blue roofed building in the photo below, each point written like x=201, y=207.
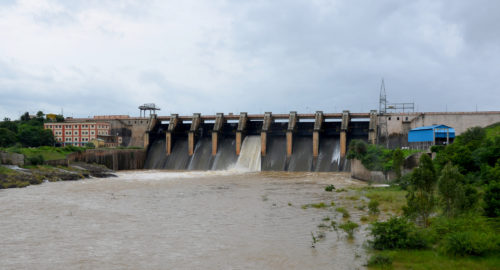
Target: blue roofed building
x=424, y=137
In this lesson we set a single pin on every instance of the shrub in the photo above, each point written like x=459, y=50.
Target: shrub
x=470, y=243
x=373, y=207
x=345, y=213
x=492, y=200
x=329, y=188
x=396, y=233
x=379, y=260
x=437, y=148
x=36, y=160
x=349, y=228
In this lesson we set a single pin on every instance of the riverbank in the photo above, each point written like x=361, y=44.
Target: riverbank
x=13, y=176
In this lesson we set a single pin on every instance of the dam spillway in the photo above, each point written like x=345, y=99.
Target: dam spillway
x=293, y=142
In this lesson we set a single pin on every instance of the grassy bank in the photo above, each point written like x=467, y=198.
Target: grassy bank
x=429, y=259
x=47, y=152
x=390, y=199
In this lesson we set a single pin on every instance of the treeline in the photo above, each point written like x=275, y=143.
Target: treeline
x=27, y=131
x=452, y=201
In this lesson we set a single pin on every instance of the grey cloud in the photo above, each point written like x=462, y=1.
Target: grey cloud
x=287, y=55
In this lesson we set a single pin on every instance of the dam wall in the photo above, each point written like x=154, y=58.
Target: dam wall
x=115, y=159
x=283, y=142
x=393, y=128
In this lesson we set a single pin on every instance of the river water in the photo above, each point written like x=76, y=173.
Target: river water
x=179, y=220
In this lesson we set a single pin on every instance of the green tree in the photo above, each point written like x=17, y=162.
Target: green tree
x=420, y=197
x=12, y=126
x=59, y=118
x=25, y=117
x=451, y=189
x=397, y=162
x=34, y=136
x=357, y=149
x=40, y=115
x=492, y=200
x=7, y=137
x=472, y=137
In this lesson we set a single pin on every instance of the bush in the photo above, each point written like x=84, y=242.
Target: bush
x=396, y=233
x=373, y=207
x=492, y=200
x=470, y=243
x=349, y=228
x=36, y=160
x=379, y=260
x=437, y=148
x=329, y=188
x=345, y=213
x=443, y=226
x=7, y=137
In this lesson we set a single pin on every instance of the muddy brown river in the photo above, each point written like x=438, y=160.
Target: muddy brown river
x=180, y=220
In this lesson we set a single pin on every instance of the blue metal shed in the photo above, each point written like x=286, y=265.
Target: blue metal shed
x=431, y=134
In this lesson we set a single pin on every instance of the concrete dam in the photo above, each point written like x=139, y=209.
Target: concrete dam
x=263, y=142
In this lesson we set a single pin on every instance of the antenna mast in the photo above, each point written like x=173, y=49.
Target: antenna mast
x=383, y=99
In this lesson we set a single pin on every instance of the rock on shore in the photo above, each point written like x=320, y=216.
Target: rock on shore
x=13, y=176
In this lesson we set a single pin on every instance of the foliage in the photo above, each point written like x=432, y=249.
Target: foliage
x=343, y=211
x=7, y=137
x=376, y=157
x=430, y=259
x=349, y=228
x=492, y=200
x=379, y=260
x=357, y=149
x=390, y=198
x=471, y=243
x=36, y=160
x=420, y=197
x=317, y=205
x=329, y=188
x=396, y=233
x=48, y=152
x=373, y=207
x=12, y=126
x=28, y=131
x=474, y=153
x=450, y=187
x=32, y=136
x=397, y=162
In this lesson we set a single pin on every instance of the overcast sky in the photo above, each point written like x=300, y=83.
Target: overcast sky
x=108, y=57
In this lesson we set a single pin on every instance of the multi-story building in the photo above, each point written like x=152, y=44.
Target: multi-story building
x=78, y=134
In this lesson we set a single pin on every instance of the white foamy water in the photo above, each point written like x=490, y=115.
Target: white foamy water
x=250, y=156
x=336, y=153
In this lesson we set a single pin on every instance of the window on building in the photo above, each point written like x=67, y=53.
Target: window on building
x=397, y=118
x=406, y=119
x=389, y=119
